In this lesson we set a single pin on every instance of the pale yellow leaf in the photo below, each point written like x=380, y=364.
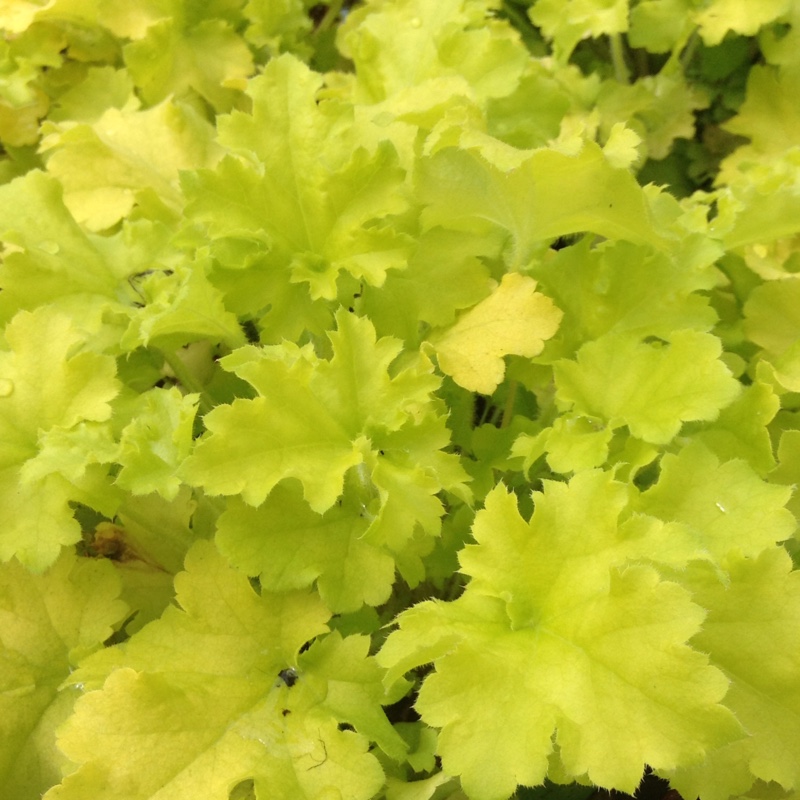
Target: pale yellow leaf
x=514, y=320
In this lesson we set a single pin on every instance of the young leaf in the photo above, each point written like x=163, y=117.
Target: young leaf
x=156, y=441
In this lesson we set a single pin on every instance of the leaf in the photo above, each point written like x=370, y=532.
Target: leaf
x=443, y=275
x=514, y=319
x=156, y=441
x=313, y=419
x=181, y=306
x=726, y=507
x=189, y=51
x=772, y=321
x=50, y=384
x=752, y=633
x=104, y=165
x=557, y=632
x=651, y=388
x=568, y=24
x=195, y=702
x=619, y=287
x=721, y=16
x=741, y=430
x=47, y=624
x=289, y=547
x=547, y=194
x=398, y=49
x=320, y=205
x=52, y=258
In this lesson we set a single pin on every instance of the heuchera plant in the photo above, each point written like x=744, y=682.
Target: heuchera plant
x=400, y=400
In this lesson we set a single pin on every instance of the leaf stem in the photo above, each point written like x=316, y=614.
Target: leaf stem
x=688, y=52
x=334, y=9
x=187, y=379
x=621, y=71
x=508, y=409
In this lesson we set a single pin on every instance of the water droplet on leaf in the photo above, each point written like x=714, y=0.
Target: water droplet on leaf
x=49, y=247
x=6, y=387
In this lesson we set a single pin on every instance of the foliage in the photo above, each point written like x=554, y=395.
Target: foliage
x=399, y=400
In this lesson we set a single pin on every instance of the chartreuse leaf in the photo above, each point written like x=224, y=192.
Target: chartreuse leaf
x=181, y=305
x=201, y=700
x=741, y=431
x=47, y=624
x=443, y=275
x=160, y=532
x=313, y=418
x=572, y=443
x=724, y=507
x=179, y=46
x=103, y=166
x=557, y=633
x=51, y=257
x=650, y=387
x=290, y=546
x=546, y=195
x=51, y=385
x=623, y=288
x=319, y=421
x=156, y=441
x=772, y=321
x=659, y=25
x=514, y=319
x=448, y=39
x=568, y=24
x=715, y=19
x=752, y=633
x=660, y=108
x=319, y=205
x=278, y=25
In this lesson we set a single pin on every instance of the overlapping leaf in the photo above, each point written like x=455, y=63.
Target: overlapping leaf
x=548, y=194
x=752, y=633
x=401, y=49
x=724, y=507
x=197, y=702
x=104, y=165
x=514, y=319
x=51, y=385
x=650, y=387
x=315, y=419
x=315, y=204
x=47, y=624
x=556, y=632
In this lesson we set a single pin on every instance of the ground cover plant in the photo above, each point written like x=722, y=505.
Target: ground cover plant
x=399, y=400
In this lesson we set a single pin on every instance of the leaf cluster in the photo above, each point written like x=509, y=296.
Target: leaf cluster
x=399, y=399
